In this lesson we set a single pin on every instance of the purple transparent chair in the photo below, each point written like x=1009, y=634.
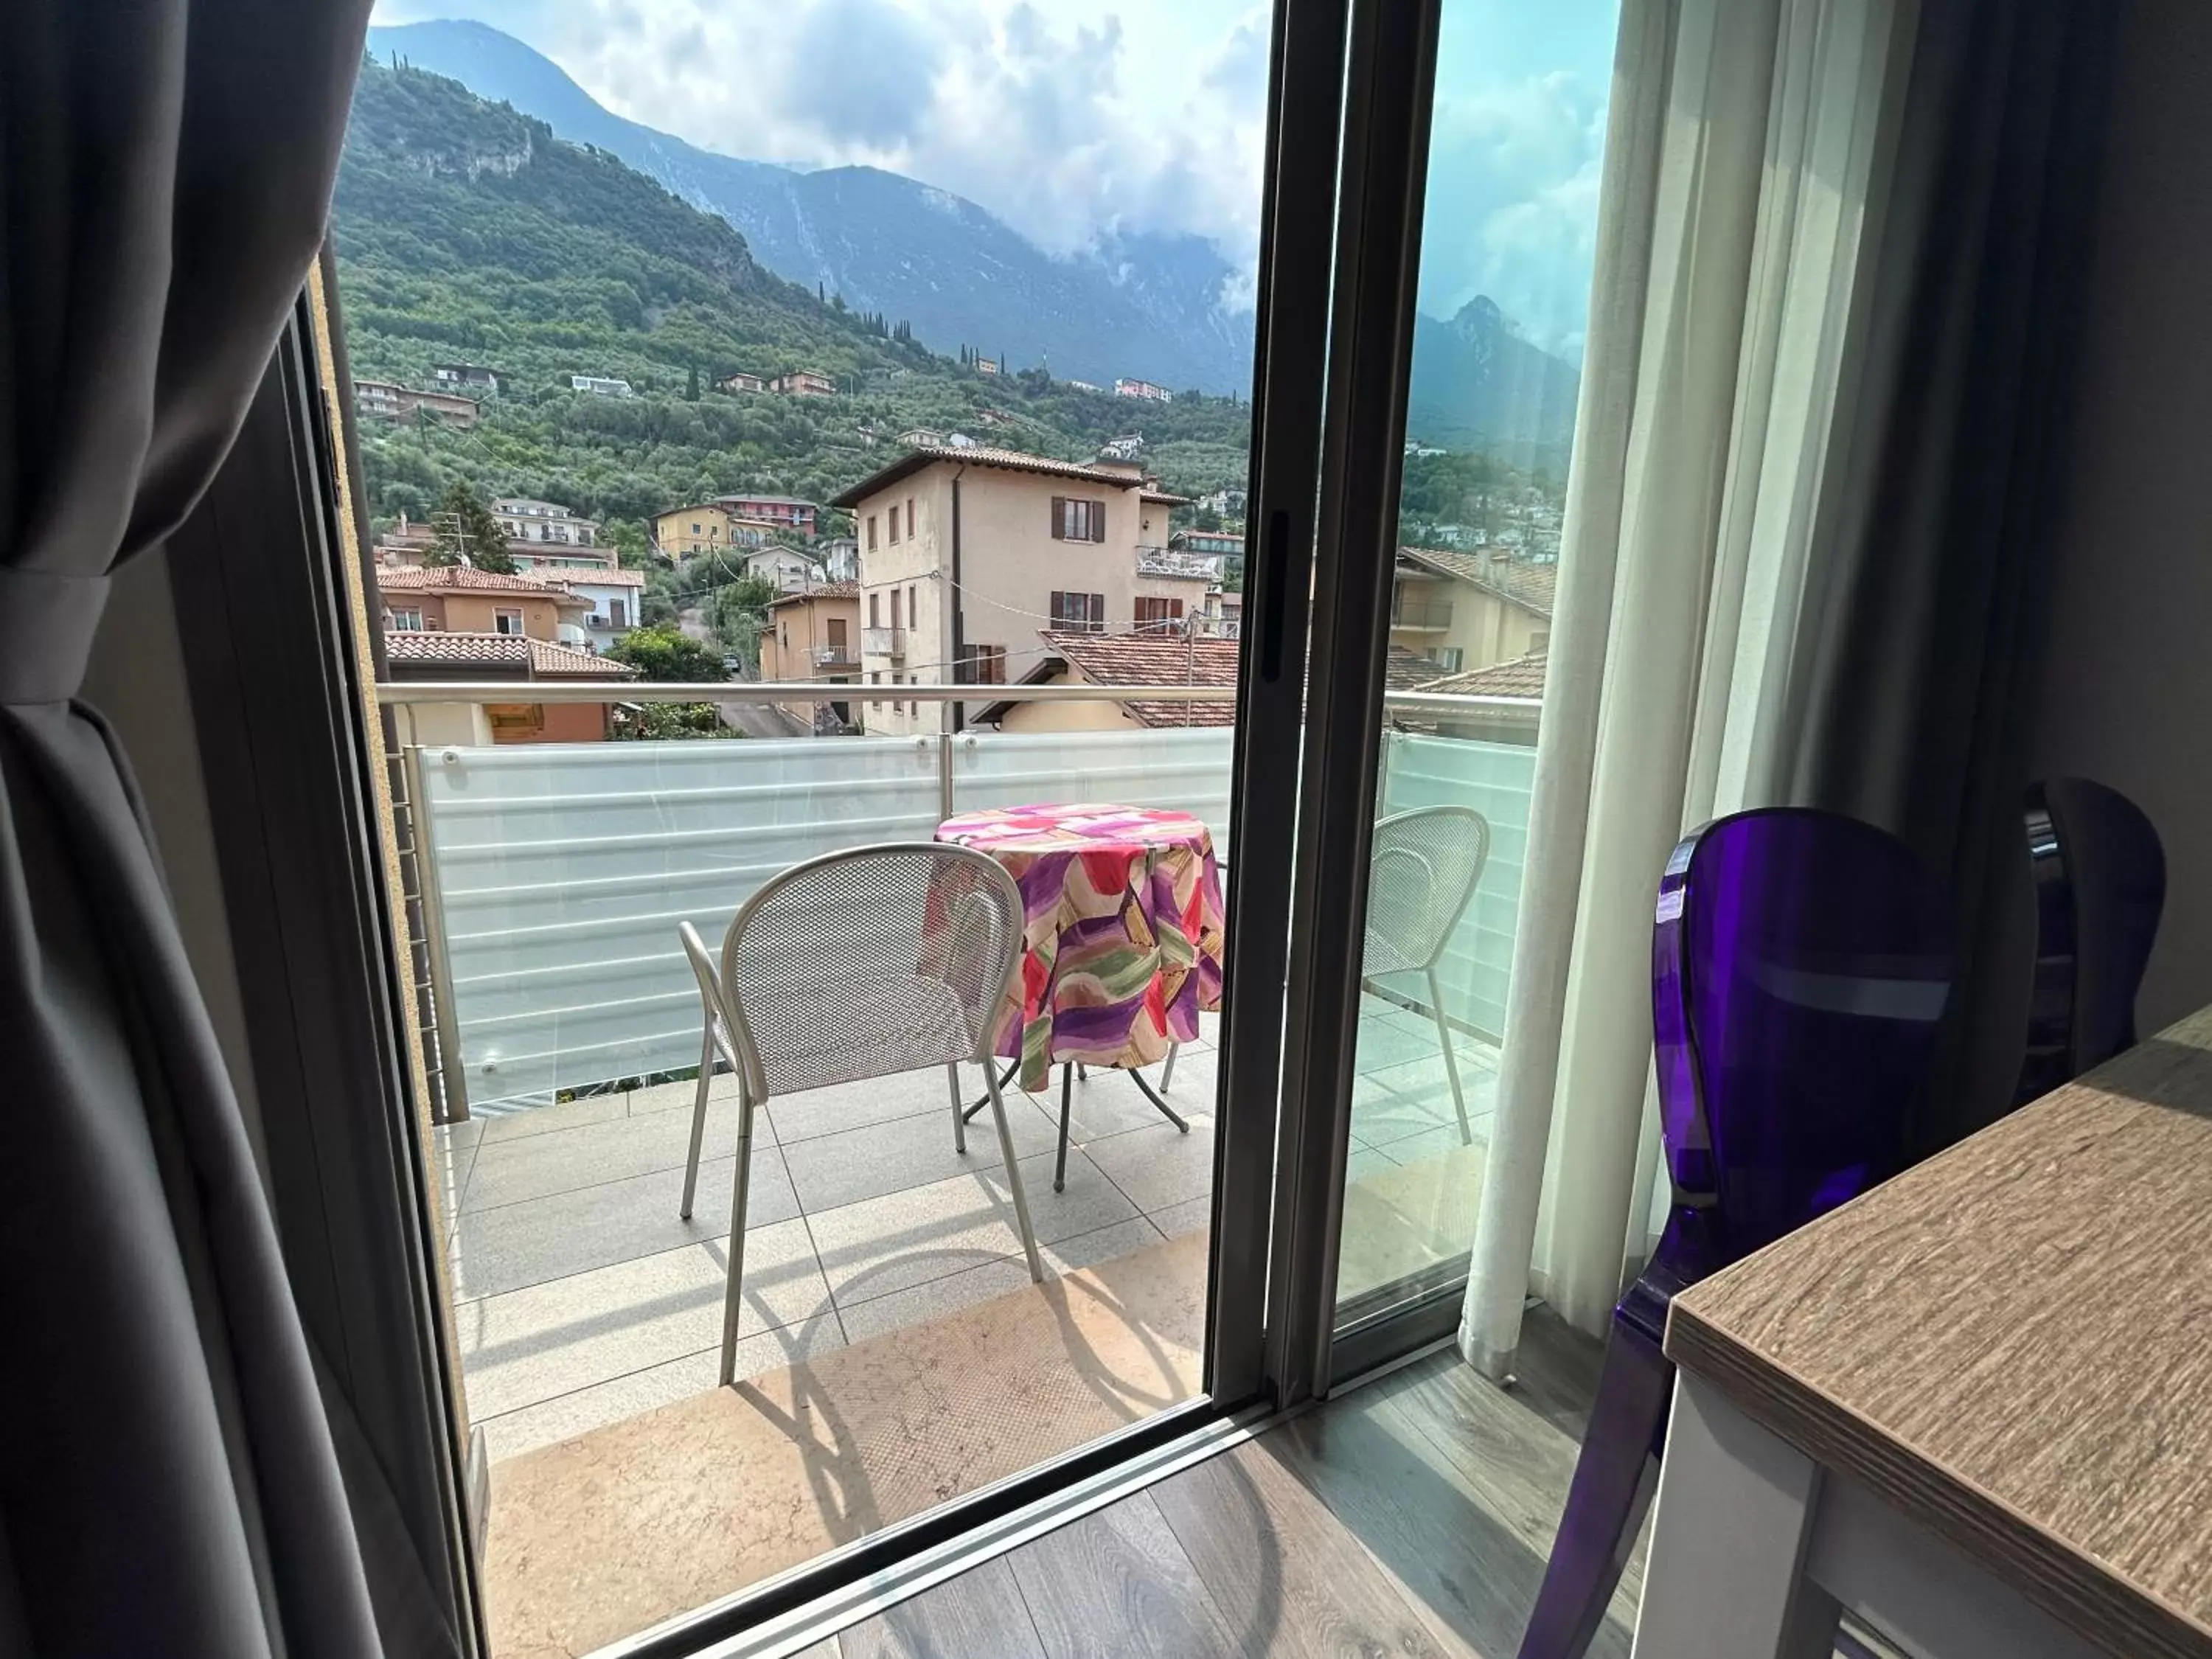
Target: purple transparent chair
x=2100, y=886
x=1800, y=964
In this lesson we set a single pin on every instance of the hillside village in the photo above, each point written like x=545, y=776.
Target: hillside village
x=685, y=443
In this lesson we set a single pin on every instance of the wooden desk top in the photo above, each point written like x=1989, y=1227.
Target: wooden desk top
x=2011, y=1343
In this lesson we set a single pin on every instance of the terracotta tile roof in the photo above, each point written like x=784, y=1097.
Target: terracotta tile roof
x=1012, y=460
x=1523, y=676
x=824, y=591
x=466, y=579
x=1111, y=659
x=1531, y=587
x=1163, y=499
x=594, y=577
x=546, y=660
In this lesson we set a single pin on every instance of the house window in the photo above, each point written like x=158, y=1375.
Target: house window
x=618, y=612
x=506, y=622
x=1158, y=615
x=913, y=611
x=982, y=665
x=913, y=524
x=407, y=622
x=872, y=532
x=875, y=617
x=1449, y=657
x=696, y=529
x=895, y=610
x=1076, y=520
x=893, y=516
x=1079, y=613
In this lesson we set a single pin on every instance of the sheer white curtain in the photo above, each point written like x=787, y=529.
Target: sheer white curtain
x=1744, y=147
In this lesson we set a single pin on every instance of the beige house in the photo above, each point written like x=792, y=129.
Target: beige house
x=459, y=599
x=1017, y=542
x=1466, y=610
x=815, y=635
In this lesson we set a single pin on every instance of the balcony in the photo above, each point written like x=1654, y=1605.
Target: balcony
x=835, y=659
x=1195, y=567
x=883, y=642
x=560, y=1017
x=1420, y=615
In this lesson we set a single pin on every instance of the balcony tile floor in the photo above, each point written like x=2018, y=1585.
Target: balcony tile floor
x=581, y=1298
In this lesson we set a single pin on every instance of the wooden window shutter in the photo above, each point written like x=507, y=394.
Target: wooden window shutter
x=1097, y=521
x=1059, y=517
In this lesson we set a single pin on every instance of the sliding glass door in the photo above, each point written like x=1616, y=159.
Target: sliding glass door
x=714, y=516
x=1473, y=148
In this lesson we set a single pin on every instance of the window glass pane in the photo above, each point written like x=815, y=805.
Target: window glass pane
x=1504, y=297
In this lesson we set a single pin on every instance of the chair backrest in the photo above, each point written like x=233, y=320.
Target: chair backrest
x=2099, y=875
x=1421, y=873
x=869, y=962
x=1801, y=962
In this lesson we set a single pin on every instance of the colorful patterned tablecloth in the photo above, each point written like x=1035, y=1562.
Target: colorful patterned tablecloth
x=1122, y=935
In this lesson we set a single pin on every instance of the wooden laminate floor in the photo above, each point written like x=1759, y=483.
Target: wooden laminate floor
x=1410, y=1517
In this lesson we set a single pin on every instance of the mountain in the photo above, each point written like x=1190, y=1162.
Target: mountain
x=1477, y=384
x=1147, y=306
x=466, y=231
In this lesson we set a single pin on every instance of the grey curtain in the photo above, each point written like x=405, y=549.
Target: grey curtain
x=168, y=1483
x=1923, y=612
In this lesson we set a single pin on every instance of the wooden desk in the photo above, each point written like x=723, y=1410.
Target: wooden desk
x=1974, y=1406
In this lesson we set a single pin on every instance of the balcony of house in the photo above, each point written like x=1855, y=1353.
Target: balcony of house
x=883, y=642
x=1415, y=616
x=835, y=659
x=892, y=1351
x=1164, y=562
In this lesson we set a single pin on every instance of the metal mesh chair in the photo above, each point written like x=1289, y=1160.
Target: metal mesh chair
x=859, y=964
x=1422, y=872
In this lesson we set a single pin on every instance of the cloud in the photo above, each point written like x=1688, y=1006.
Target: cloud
x=1511, y=208
x=866, y=98
x=1082, y=124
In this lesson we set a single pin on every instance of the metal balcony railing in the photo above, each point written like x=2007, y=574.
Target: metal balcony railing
x=836, y=656
x=1164, y=562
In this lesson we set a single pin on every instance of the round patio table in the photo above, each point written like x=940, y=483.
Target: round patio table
x=1122, y=943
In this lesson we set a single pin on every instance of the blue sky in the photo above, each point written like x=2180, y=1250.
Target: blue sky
x=1070, y=120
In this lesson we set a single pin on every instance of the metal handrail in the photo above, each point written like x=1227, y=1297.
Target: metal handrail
x=568, y=691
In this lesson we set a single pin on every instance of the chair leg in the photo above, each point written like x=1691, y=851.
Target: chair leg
x=1612, y=1489
x=1060, y=1163
x=983, y=1100
x=698, y=1124
x=959, y=1122
x=1014, y=1179
x=739, y=1200
x=1167, y=1067
x=1451, y=1059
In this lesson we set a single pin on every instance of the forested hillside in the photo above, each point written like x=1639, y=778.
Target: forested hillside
x=467, y=231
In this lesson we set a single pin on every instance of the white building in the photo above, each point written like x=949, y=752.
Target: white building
x=615, y=596
x=523, y=519
x=789, y=569
x=1127, y=388
x=602, y=386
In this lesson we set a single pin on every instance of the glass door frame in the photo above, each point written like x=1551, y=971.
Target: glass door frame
x=1390, y=82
